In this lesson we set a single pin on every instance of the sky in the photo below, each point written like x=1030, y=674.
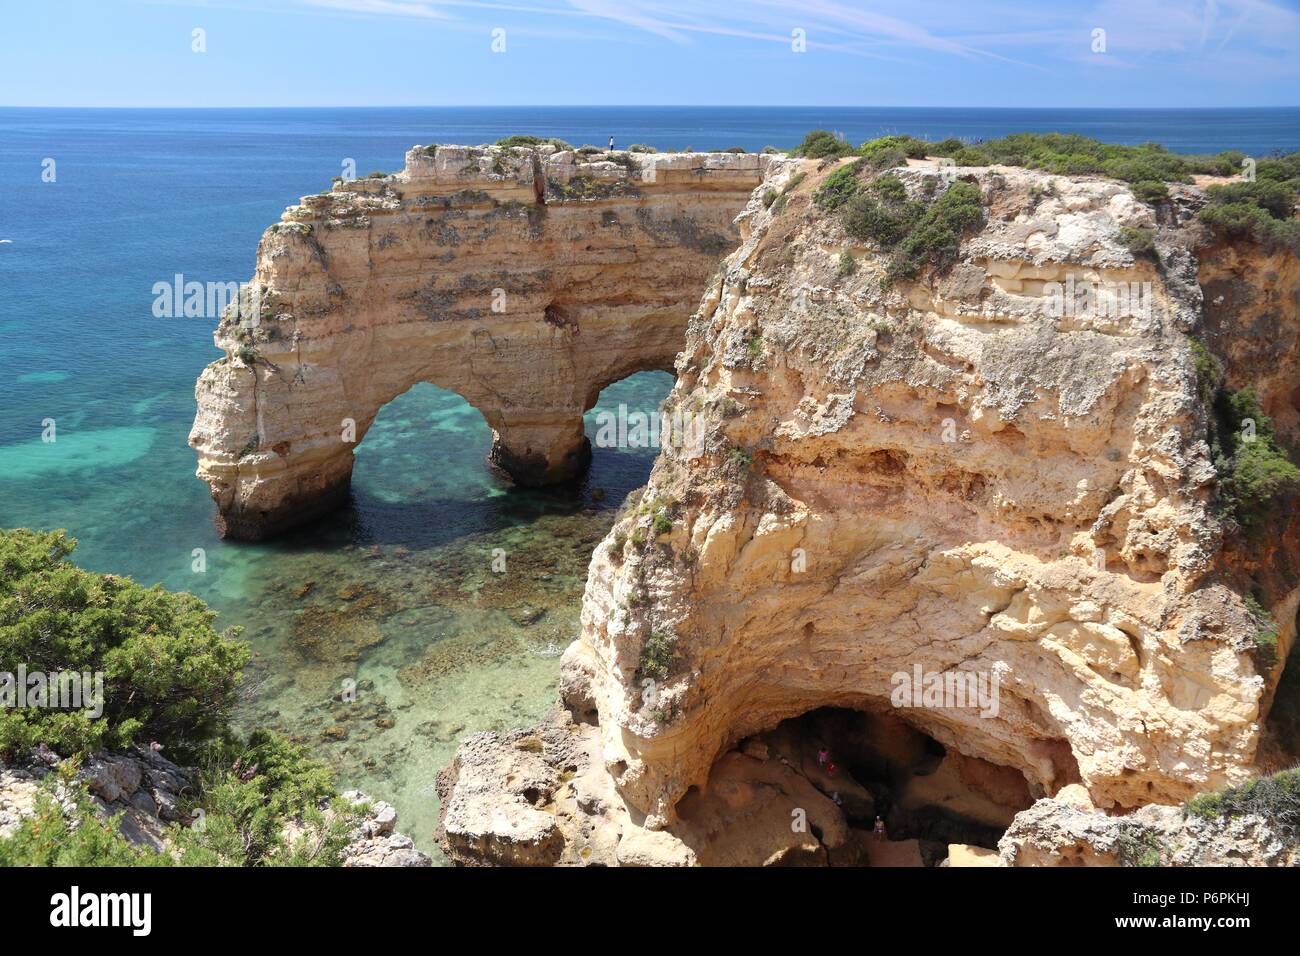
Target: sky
x=999, y=53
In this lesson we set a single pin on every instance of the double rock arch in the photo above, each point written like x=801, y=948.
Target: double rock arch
x=524, y=279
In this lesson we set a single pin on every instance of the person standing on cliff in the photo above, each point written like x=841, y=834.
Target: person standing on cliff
x=611, y=142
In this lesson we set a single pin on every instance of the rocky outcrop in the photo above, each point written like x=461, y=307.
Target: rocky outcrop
x=524, y=279
x=1061, y=833
x=953, y=477
x=140, y=786
x=148, y=794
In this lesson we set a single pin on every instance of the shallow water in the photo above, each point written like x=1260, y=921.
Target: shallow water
x=395, y=592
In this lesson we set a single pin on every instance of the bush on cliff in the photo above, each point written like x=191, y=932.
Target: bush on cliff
x=168, y=675
x=820, y=144
x=918, y=234
x=524, y=140
x=250, y=790
x=259, y=803
x=51, y=837
x=839, y=187
x=1261, y=211
x=1275, y=798
x=1254, y=471
x=889, y=151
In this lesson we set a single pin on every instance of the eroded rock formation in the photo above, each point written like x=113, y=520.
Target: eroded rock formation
x=524, y=279
x=948, y=473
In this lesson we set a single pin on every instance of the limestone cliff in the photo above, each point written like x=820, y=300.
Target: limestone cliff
x=523, y=278
x=951, y=473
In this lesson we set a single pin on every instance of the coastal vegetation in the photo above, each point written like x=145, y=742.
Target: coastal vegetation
x=1254, y=471
x=1261, y=209
x=919, y=233
x=1276, y=798
x=169, y=683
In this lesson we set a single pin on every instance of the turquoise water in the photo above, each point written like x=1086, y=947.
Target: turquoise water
x=395, y=592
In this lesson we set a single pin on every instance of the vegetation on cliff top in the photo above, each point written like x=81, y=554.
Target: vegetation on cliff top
x=168, y=678
x=919, y=233
x=1253, y=208
x=1260, y=211
x=524, y=140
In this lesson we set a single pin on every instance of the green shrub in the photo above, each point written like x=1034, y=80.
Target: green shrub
x=248, y=791
x=168, y=675
x=1260, y=211
x=657, y=655
x=1254, y=471
x=839, y=187
x=1275, y=798
x=80, y=838
x=865, y=217
x=534, y=141
x=1151, y=191
x=971, y=156
x=1139, y=846
x=948, y=147
x=740, y=456
x=641, y=148
x=1265, y=649
x=1227, y=163
x=889, y=151
x=820, y=144
x=1140, y=242
x=846, y=265
x=935, y=240
x=769, y=197
x=661, y=524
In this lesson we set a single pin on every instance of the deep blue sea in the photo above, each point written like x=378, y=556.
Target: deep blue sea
x=394, y=591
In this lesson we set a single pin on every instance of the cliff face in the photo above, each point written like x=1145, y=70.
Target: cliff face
x=524, y=278
x=955, y=476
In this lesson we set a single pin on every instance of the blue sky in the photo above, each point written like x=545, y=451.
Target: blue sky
x=700, y=52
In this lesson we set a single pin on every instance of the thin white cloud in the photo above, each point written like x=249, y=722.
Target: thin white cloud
x=401, y=8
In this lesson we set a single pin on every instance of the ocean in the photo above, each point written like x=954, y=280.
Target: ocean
x=395, y=591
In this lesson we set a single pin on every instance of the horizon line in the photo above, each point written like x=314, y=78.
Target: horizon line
x=624, y=106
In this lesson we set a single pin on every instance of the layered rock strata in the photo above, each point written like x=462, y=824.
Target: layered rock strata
x=525, y=279
x=954, y=475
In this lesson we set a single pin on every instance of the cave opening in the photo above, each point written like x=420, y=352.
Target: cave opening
x=873, y=764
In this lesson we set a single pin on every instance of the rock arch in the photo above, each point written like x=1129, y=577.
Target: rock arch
x=525, y=279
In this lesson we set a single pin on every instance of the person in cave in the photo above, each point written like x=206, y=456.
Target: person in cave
x=879, y=829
